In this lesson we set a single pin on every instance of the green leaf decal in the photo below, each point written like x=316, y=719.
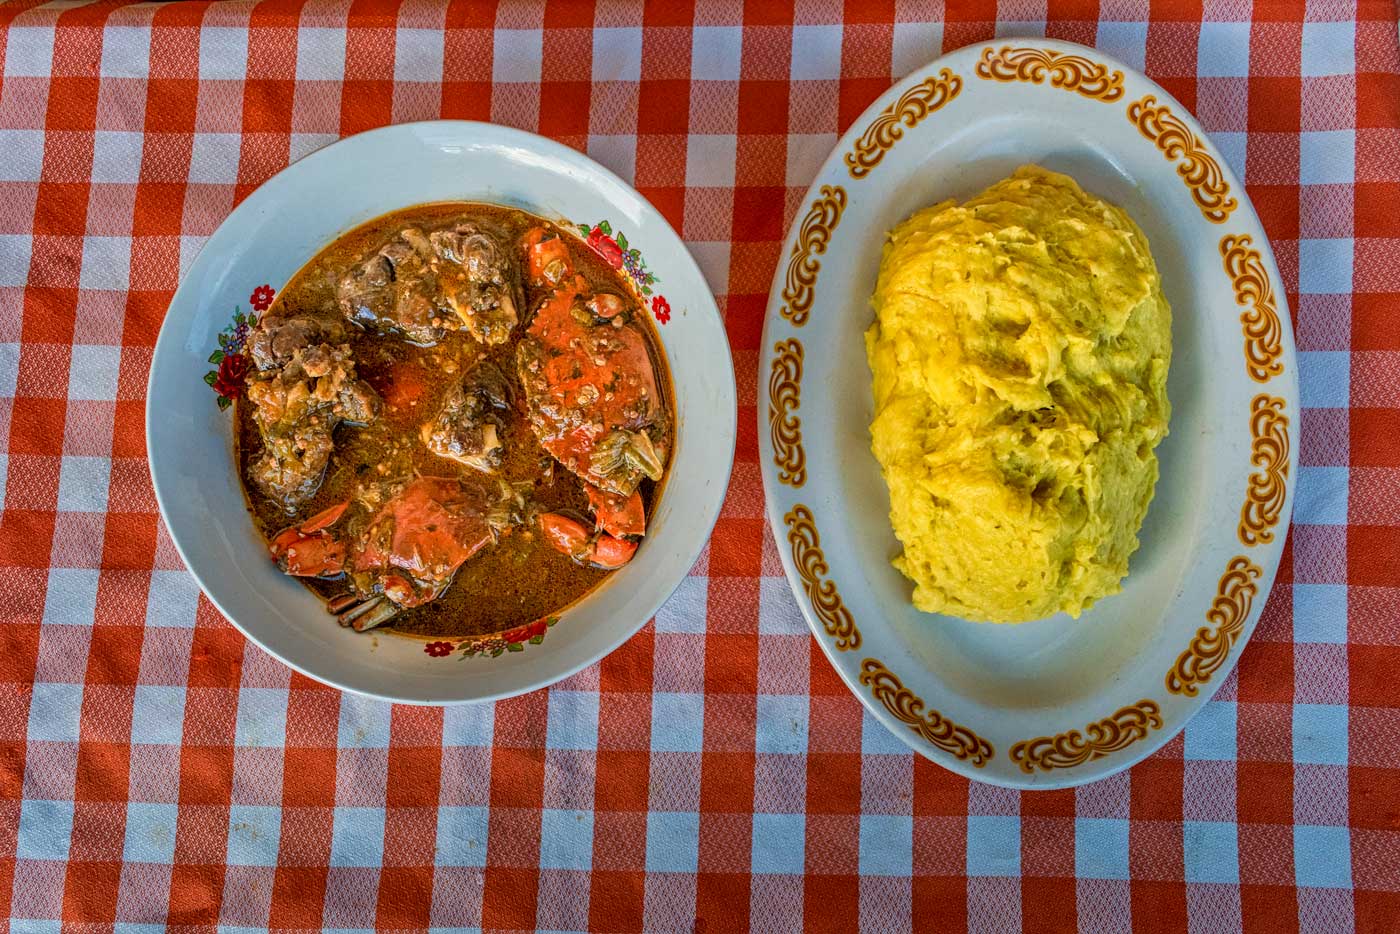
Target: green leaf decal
x=210, y=377
x=216, y=357
x=622, y=241
x=224, y=402
x=605, y=227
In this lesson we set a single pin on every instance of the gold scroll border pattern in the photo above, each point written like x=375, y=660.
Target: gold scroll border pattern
x=1197, y=167
x=1066, y=71
x=818, y=225
x=784, y=425
x=1268, y=486
x=929, y=95
x=930, y=725
x=1210, y=647
x=1125, y=726
x=810, y=561
x=1263, y=330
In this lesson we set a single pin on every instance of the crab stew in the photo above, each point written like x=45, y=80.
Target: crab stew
x=456, y=420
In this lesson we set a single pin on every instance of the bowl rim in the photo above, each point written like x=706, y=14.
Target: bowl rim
x=551, y=149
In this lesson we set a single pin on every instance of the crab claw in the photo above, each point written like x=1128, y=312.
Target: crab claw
x=547, y=260
x=618, y=515
x=309, y=549
x=575, y=540
x=611, y=553
x=566, y=535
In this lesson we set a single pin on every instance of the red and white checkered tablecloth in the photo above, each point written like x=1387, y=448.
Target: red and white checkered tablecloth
x=713, y=774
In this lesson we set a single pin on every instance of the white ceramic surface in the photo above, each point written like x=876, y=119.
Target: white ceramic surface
x=1054, y=678
x=266, y=239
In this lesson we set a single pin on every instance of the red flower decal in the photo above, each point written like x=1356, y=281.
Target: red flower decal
x=261, y=297
x=228, y=382
x=661, y=308
x=438, y=649
x=605, y=247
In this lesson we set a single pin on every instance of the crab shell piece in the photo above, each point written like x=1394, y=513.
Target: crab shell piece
x=405, y=555
x=591, y=391
x=426, y=532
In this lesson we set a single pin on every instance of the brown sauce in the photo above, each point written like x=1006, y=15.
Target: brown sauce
x=520, y=578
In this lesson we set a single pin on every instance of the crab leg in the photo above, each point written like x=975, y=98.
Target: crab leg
x=362, y=614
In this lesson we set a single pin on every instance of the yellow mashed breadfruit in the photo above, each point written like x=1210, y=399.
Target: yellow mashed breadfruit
x=1020, y=352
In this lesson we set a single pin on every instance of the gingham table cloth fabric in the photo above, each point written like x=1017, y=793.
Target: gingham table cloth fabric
x=713, y=774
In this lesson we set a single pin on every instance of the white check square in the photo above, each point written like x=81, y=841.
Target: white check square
x=126, y=52
x=320, y=54
x=223, y=53
x=82, y=484
x=116, y=157
x=21, y=155
x=92, y=372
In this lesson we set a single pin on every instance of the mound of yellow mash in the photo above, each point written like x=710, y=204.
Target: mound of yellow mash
x=1020, y=352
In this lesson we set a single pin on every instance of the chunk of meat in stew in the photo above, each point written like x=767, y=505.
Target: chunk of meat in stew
x=424, y=284
x=302, y=389
x=470, y=426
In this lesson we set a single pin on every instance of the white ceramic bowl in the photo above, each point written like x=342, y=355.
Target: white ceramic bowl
x=1055, y=702
x=257, y=249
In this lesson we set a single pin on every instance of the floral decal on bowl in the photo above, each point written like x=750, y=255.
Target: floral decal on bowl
x=627, y=259
x=512, y=640
x=231, y=364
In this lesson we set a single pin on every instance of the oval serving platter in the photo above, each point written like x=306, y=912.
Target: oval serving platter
x=1057, y=702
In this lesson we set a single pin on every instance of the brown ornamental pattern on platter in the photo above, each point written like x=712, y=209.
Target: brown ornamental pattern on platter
x=800, y=281
x=1268, y=486
x=810, y=561
x=1211, y=645
x=784, y=426
x=907, y=707
x=1066, y=750
x=1263, y=330
x=1197, y=167
x=908, y=111
x=1069, y=72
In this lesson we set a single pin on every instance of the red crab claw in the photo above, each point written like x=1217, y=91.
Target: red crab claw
x=310, y=549
x=547, y=257
x=619, y=516
x=611, y=553
x=566, y=535
x=575, y=540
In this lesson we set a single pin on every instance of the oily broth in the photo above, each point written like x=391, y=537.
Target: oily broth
x=521, y=578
